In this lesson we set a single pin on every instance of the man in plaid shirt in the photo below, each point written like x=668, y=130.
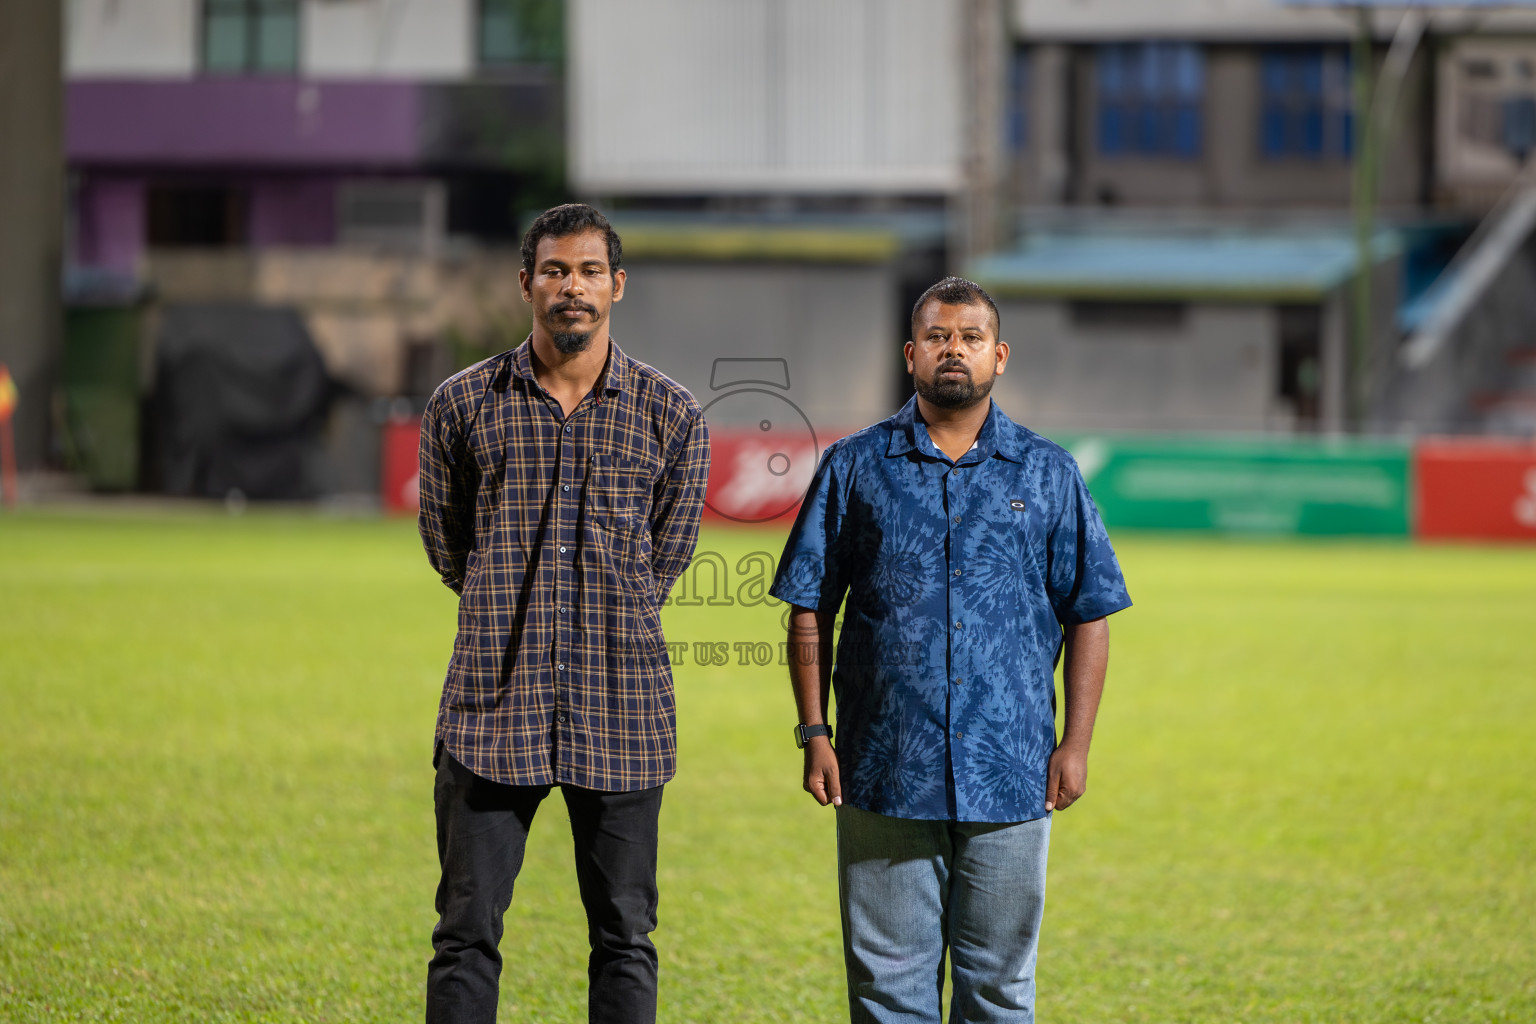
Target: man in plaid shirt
x=561, y=488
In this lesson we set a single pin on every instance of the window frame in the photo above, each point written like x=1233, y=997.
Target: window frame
x=1332, y=104
x=1021, y=91
x=485, y=65
x=252, y=14
x=1144, y=109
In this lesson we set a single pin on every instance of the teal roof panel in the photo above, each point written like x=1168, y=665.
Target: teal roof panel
x=1257, y=266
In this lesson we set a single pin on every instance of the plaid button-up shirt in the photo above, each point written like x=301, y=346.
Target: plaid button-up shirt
x=562, y=536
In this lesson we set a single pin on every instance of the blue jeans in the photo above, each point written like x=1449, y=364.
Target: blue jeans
x=911, y=888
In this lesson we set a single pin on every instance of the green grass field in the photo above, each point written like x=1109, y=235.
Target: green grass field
x=1312, y=794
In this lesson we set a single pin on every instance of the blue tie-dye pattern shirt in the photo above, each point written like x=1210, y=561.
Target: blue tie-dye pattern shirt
x=959, y=576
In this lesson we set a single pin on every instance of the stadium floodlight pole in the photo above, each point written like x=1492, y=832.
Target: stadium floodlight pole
x=1363, y=201
x=1377, y=97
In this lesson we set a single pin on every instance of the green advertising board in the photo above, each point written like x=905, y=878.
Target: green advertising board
x=1247, y=485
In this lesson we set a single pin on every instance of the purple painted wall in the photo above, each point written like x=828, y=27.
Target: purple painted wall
x=292, y=211
x=283, y=210
x=110, y=224
x=246, y=121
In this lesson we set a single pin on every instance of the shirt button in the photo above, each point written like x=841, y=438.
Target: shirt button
x=562, y=549
x=562, y=609
x=957, y=519
x=958, y=735
x=559, y=668
x=958, y=681
x=567, y=430
x=565, y=487
x=958, y=623
x=560, y=717
x=957, y=572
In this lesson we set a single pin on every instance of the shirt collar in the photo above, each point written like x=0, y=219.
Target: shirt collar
x=999, y=436
x=619, y=369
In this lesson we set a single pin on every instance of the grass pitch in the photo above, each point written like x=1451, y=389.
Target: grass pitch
x=1311, y=798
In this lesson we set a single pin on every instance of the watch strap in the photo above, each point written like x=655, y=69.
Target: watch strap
x=805, y=733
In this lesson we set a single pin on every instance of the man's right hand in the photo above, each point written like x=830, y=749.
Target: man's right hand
x=821, y=778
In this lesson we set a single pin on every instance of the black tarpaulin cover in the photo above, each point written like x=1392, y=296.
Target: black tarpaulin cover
x=241, y=393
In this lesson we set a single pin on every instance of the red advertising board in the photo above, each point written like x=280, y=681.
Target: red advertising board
x=398, y=477
x=1475, y=489
x=758, y=478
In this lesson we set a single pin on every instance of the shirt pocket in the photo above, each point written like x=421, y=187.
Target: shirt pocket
x=618, y=491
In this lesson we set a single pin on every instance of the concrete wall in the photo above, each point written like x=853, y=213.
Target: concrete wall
x=358, y=38
x=1217, y=371
x=363, y=309
x=699, y=96
x=1230, y=171
x=110, y=223
x=31, y=212
x=836, y=327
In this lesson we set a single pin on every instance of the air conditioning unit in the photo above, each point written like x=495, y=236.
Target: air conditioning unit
x=399, y=216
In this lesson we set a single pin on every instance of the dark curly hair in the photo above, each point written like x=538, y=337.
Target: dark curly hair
x=957, y=291
x=571, y=219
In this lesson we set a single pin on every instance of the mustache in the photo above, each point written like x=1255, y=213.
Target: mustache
x=953, y=364
x=566, y=307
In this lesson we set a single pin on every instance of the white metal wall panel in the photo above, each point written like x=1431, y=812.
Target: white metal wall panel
x=142, y=38
x=389, y=38
x=654, y=93
x=764, y=95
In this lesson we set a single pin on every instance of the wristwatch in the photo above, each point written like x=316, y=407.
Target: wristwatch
x=805, y=733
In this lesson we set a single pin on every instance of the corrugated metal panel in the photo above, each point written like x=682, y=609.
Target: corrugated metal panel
x=770, y=95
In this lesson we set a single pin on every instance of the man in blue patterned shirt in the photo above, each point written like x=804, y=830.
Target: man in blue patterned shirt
x=561, y=488
x=971, y=556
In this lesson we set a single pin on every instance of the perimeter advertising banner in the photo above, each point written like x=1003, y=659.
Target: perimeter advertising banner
x=1247, y=485
x=1476, y=489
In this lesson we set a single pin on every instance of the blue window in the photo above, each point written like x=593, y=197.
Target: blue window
x=1150, y=99
x=1305, y=108
x=1018, y=100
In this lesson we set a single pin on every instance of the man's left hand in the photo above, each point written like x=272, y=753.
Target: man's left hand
x=1066, y=779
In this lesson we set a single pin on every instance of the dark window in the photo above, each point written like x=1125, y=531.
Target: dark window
x=515, y=32
x=1305, y=107
x=1018, y=100
x=1150, y=99
x=1301, y=345
x=1128, y=316
x=195, y=215
x=250, y=36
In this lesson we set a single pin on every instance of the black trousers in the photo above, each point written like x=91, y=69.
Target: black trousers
x=482, y=831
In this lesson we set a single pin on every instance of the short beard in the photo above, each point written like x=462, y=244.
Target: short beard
x=952, y=394
x=570, y=342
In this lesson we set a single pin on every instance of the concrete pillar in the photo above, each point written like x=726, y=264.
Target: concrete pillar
x=980, y=221
x=1050, y=126
x=1333, y=397
x=31, y=211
